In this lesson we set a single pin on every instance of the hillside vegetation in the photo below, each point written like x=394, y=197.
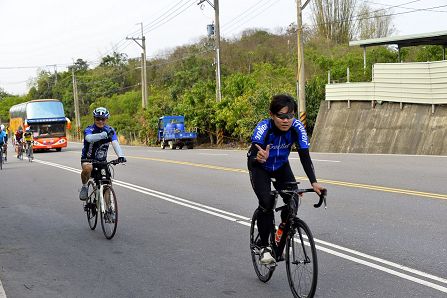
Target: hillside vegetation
x=255, y=66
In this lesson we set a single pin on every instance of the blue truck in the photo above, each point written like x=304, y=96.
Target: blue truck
x=171, y=132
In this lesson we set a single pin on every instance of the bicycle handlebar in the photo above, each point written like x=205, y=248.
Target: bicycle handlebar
x=113, y=162
x=322, y=199
x=300, y=191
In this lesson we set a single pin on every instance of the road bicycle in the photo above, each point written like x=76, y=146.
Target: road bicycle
x=296, y=239
x=102, y=198
x=20, y=151
x=29, y=151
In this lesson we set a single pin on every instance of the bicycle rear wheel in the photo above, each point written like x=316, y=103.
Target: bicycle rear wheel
x=264, y=272
x=109, y=218
x=90, y=206
x=301, y=260
x=21, y=152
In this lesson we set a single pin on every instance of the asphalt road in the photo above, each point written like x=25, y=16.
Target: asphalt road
x=383, y=235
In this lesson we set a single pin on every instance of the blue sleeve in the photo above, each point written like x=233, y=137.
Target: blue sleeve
x=114, y=137
x=260, y=132
x=109, y=128
x=303, y=140
x=88, y=131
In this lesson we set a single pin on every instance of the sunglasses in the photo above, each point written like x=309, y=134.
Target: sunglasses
x=100, y=119
x=285, y=116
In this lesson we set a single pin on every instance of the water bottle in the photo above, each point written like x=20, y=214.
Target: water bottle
x=279, y=233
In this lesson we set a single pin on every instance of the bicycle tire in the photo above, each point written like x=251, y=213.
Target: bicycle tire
x=264, y=272
x=20, y=152
x=29, y=154
x=1, y=159
x=90, y=206
x=109, y=218
x=301, y=260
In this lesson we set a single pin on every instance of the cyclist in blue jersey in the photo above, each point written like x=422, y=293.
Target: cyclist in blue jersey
x=268, y=157
x=3, y=140
x=97, y=138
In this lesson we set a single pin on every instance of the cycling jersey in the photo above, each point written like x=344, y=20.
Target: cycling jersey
x=97, y=150
x=28, y=136
x=3, y=137
x=19, y=136
x=266, y=133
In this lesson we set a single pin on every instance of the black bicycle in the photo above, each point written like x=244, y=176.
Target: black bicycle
x=102, y=198
x=296, y=239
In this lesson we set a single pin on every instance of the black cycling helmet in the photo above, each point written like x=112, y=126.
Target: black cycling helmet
x=101, y=113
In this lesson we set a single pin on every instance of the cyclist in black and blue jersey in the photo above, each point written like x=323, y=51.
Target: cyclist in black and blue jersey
x=268, y=158
x=97, y=138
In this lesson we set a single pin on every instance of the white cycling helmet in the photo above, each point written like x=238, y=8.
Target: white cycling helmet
x=2, y=127
x=101, y=113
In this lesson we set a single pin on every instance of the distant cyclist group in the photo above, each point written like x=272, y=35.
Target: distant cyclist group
x=21, y=140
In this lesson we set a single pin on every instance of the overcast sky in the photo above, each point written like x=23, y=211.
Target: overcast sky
x=37, y=34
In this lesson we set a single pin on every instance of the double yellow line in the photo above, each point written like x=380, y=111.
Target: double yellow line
x=325, y=181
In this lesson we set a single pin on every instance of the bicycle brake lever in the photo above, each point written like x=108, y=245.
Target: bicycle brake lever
x=322, y=199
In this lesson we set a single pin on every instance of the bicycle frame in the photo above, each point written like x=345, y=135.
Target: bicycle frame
x=99, y=189
x=292, y=217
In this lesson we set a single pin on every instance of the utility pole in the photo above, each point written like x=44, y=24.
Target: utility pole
x=300, y=79
x=144, y=93
x=76, y=104
x=215, y=6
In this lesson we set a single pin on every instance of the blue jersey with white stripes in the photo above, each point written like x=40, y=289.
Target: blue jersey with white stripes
x=266, y=133
x=100, y=148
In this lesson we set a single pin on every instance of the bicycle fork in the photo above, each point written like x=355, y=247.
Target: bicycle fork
x=306, y=258
x=101, y=202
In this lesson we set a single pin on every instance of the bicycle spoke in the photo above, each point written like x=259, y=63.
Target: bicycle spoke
x=90, y=206
x=264, y=272
x=109, y=217
x=301, y=261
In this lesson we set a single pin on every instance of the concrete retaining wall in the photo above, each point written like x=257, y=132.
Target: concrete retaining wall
x=386, y=128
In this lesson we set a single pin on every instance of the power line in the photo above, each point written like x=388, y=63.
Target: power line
x=159, y=24
x=242, y=13
x=165, y=14
x=260, y=9
x=356, y=18
x=401, y=7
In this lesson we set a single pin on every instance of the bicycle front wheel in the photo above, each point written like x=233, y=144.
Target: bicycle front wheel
x=29, y=154
x=301, y=260
x=109, y=217
x=264, y=272
x=90, y=206
x=1, y=159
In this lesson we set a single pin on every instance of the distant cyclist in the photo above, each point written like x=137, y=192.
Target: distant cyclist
x=28, y=139
x=97, y=138
x=268, y=158
x=18, y=137
x=3, y=141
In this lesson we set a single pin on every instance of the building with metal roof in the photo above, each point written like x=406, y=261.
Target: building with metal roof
x=432, y=38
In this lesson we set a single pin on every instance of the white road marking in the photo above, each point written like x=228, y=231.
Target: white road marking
x=214, y=154
x=321, y=245
x=2, y=291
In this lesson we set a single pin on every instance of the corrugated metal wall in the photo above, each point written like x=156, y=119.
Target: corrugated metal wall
x=421, y=82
